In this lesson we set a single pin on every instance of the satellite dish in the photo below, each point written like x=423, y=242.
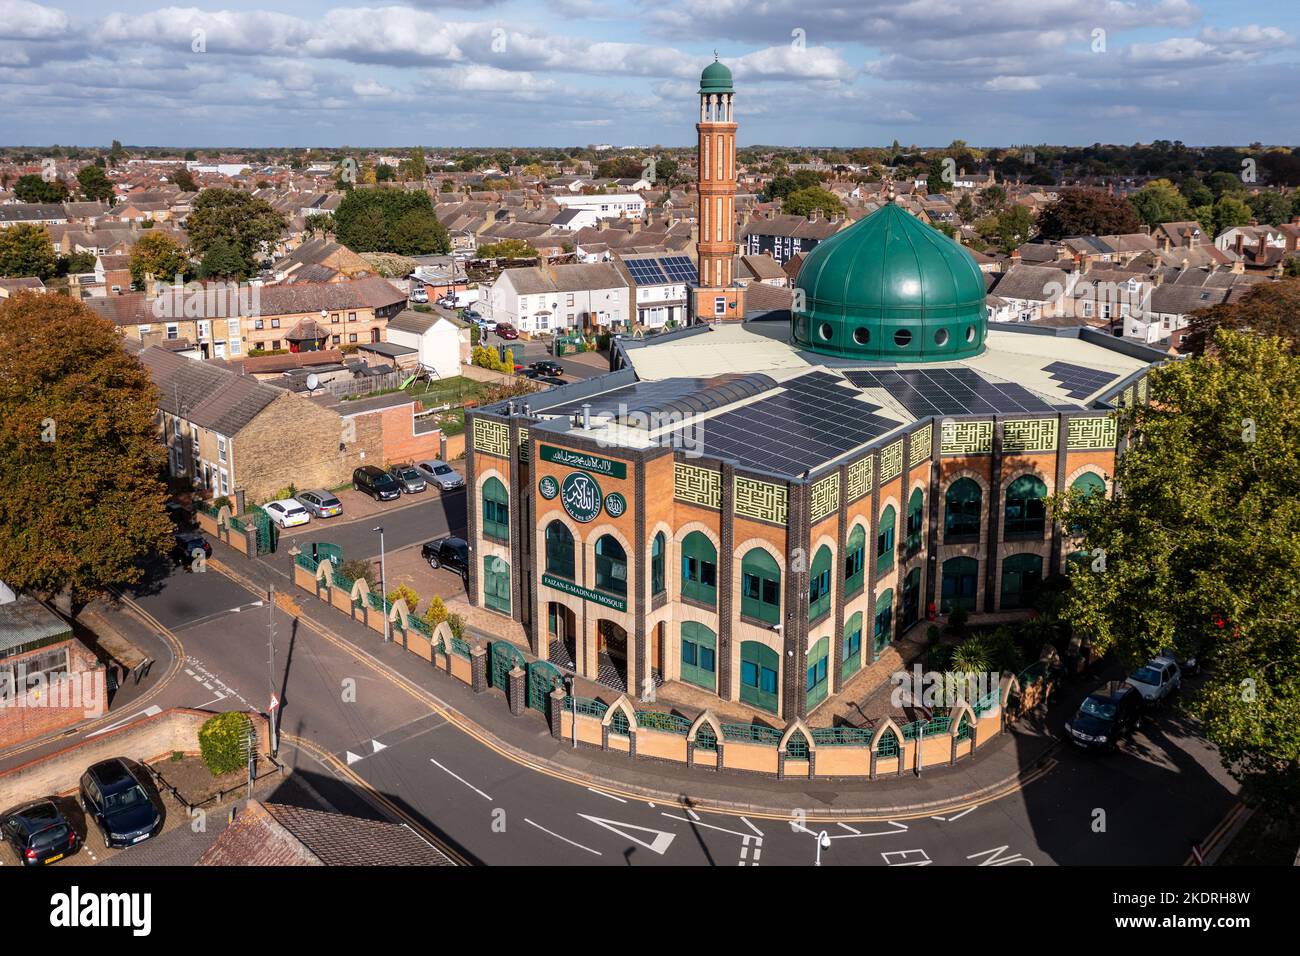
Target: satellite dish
x=312, y=381
x=324, y=313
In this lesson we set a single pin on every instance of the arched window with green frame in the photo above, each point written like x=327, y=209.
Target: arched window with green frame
x=658, y=549
x=915, y=520
x=559, y=550
x=819, y=584
x=961, y=516
x=852, y=662
x=1021, y=576
x=885, y=540
x=960, y=583
x=1089, y=484
x=699, y=656
x=496, y=583
x=699, y=569
x=760, y=586
x=1026, y=507
x=855, y=560
x=496, y=510
x=1078, y=561
x=760, y=669
x=818, y=667
x=611, y=565
x=883, y=629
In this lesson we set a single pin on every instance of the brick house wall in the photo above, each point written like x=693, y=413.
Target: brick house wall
x=293, y=441
x=34, y=717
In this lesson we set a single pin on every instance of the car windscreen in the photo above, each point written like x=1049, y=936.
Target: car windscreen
x=410, y=474
x=50, y=836
x=130, y=797
x=462, y=550
x=1147, y=675
x=385, y=481
x=329, y=501
x=442, y=470
x=1096, y=707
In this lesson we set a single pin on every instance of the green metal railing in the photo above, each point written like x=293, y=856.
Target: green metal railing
x=751, y=734
x=306, y=561
x=669, y=723
x=586, y=707
x=705, y=738
x=796, y=748
x=966, y=727
x=841, y=736
x=990, y=701
x=460, y=647
x=618, y=723
x=887, y=746
x=238, y=524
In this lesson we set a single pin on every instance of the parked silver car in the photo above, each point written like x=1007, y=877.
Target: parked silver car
x=409, y=478
x=321, y=504
x=438, y=472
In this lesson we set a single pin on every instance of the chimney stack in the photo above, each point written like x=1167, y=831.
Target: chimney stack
x=1239, y=244
x=1262, y=249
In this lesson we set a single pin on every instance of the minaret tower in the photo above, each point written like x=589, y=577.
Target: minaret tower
x=717, y=298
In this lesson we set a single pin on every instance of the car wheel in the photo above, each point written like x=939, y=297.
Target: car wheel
x=104, y=836
x=434, y=563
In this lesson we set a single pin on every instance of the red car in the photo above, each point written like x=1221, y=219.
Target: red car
x=506, y=331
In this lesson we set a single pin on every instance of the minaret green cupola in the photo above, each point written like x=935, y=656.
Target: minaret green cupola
x=716, y=78
x=890, y=288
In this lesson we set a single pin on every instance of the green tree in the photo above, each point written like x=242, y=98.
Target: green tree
x=1160, y=201
x=95, y=186
x=184, y=179
x=33, y=188
x=222, y=742
x=415, y=166
x=78, y=262
x=1208, y=521
x=26, y=251
x=117, y=155
x=247, y=223
x=1269, y=308
x=802, y=202
x=157, y=254
x=1013, y=226
x=1229, y=211
x=390, y=220
x=81, y=501
x=507, y=249
x=320, y=224
x=1086, y=212
x=221, y=261
x=1269, y=206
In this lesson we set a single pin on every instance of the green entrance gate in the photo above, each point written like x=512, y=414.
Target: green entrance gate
x=543, y=677
x=268, y=532
x=505, y=657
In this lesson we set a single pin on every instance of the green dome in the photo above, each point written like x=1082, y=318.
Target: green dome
x=890, y=288
x=716, y=78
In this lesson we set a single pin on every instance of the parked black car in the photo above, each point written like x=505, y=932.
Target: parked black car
x=118, y=804
x=547, y=367
x=377, y=483
x=39, y=833
x=185, y=543
x=449, y=552
x=1112, y=711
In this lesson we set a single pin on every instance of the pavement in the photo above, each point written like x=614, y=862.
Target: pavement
x=381, y=727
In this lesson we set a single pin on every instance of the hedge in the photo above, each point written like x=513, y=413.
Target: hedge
x=221, y=742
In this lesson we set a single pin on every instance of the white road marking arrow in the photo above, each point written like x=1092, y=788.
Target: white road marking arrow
x=378, y=746
x=352, y=758
x=660, y=844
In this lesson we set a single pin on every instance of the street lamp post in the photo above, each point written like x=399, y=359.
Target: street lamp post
x=823, y=839
x=383, y=581
x=573, y=697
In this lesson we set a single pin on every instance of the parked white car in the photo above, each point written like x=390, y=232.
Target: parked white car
x=287, y=513
x=1157, y=680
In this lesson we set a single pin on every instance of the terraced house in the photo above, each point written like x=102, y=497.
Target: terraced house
x=304, y=316
x=762, y=510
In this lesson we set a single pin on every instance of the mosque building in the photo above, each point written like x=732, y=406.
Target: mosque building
x=762, y=509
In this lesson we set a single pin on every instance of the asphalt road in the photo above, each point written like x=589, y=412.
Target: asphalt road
x=1142, y=805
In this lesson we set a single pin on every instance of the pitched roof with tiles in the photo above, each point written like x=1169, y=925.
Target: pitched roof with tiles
x=208, y=396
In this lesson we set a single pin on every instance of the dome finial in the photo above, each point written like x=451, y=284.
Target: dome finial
x=715, y=56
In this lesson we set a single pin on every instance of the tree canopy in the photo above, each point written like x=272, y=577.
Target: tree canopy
x=95, y=186
x=1202, y=549
x=390, y=220
x=1086, y=212
x=81, y=500
x=26, y=251
x=34, y=188
x=1160, y=201
x=803, y=202
x=157, y=254
x=1270, y=308
x=247, y=223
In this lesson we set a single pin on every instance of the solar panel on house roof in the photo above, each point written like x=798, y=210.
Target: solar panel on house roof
x=645, y=272
x=1078, y=380
x=949, y=391
x=680, y=269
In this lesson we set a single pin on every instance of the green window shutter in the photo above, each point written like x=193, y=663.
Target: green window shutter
x=854, y=561
x=852, y=646
x=885, y=540
x=699, y=656
x=760, y=587
x=962, y=504
x=699, y=569
x=496, y=510
x=915, y=521
x=657, y=564
x=817, y=670
x=883, y=630
x=819, y=584
x=760, y=669
x=496, y=584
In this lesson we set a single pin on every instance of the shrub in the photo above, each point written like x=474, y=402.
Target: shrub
x=358, y=568
x=407, y=594
x=457, y=625
x=971, y=655
x=958, y=619
x=288, y=491
x=221, y=742
x=932, y=634
x=223, y=502
x=435, y=613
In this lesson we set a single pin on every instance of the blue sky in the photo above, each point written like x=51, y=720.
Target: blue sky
x=566, y=72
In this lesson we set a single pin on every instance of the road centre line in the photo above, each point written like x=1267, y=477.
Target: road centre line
x=565, y=839
x=461, y=779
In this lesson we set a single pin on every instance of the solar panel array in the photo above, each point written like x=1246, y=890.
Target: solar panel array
x=662, y=271
x=1078, y=380
x=645, y=271
x=949, y=391
x=680, y=269
x=812, y=421
x=636, y=395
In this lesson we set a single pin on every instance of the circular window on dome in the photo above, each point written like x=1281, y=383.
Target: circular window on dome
x=902, y=338
x=800, y=327
x=970, y=333
x=825, y=331
x=941, y=338
x=861, y=335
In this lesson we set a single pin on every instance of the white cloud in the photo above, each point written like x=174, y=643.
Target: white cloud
x=21, y=20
